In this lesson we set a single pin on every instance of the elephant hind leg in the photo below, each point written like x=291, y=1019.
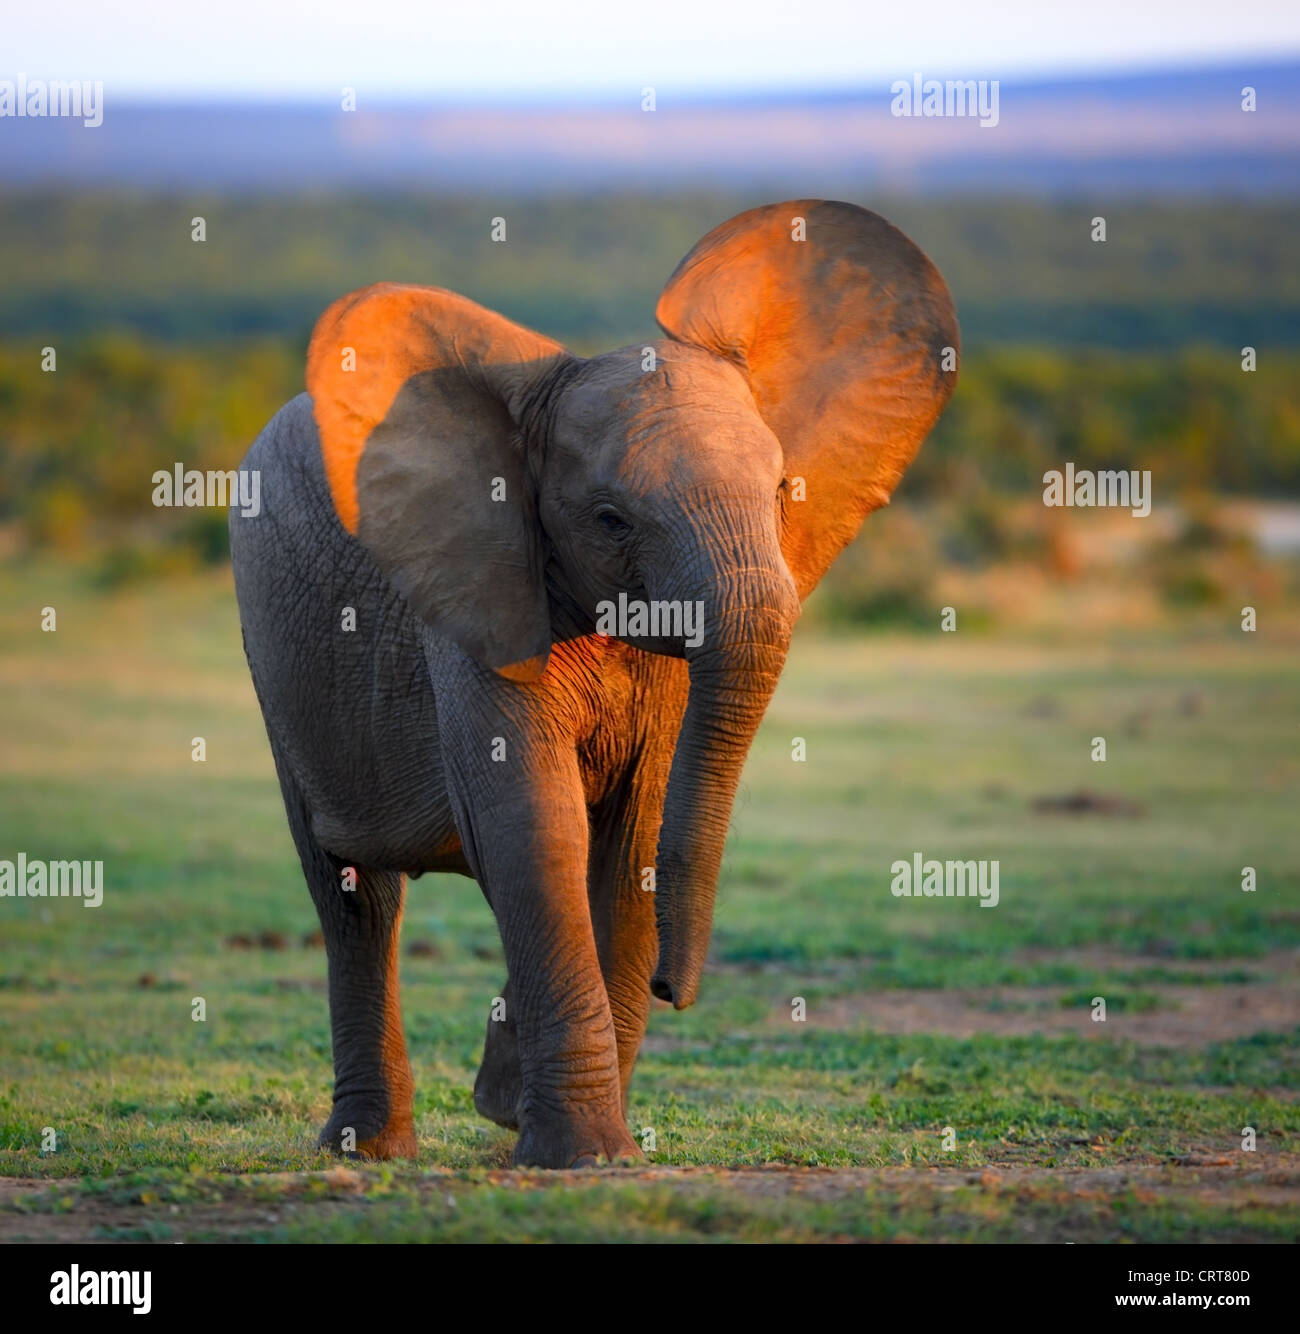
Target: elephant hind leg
x=360, y=913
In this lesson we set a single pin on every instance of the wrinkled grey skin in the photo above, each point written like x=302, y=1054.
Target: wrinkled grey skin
x=382, y=736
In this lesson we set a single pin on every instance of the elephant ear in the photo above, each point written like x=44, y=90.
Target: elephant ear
x=418, y=395
x=841, y=325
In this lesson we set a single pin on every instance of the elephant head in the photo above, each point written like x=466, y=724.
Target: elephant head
x=510, y=489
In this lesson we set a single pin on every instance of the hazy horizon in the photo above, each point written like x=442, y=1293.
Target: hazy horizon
x=1158, y=132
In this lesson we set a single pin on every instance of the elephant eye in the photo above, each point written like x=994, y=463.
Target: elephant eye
x=612, y=521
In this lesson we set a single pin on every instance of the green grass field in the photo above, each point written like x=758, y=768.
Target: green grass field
x=922, y=1015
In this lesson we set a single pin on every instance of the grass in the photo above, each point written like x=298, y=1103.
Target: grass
x=764, y=1128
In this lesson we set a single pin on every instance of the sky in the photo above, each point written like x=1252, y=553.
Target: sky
x=506, y=50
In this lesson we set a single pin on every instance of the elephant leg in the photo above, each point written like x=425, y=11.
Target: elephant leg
x=500, y=1081
x=622, y=848
x=523, y=825
x=372, y=1116
x=624, y=838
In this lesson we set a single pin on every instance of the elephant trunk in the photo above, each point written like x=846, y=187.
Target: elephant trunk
x=732, y=677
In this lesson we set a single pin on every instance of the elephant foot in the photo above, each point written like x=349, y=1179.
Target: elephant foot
x=576, y=1144
x=496, y=1095
x=353, y=1136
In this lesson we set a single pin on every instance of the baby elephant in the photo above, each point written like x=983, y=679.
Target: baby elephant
x=517, y=614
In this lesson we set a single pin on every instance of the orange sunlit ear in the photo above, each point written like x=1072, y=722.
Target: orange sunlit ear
x=416, y=394
x=849, y=338
x=350, y=400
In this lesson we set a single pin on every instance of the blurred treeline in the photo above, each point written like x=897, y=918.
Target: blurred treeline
x=587, y=270
x=1118, y=355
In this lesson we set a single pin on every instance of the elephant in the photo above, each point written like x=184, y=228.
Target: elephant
x=516, y=614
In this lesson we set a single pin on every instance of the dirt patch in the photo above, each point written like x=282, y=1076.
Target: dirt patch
x=1180, y=1016
x=1083, y=802
x=1102, y=960
x=1105, y=959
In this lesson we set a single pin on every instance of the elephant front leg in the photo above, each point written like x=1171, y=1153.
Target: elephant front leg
x=621, y=897
x=525, y=834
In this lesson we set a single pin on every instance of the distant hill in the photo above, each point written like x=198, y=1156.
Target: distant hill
x=1170, y=132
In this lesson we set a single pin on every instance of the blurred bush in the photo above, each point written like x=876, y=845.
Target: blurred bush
x=1208, y=560
x=79, y=446
x=887, y=580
